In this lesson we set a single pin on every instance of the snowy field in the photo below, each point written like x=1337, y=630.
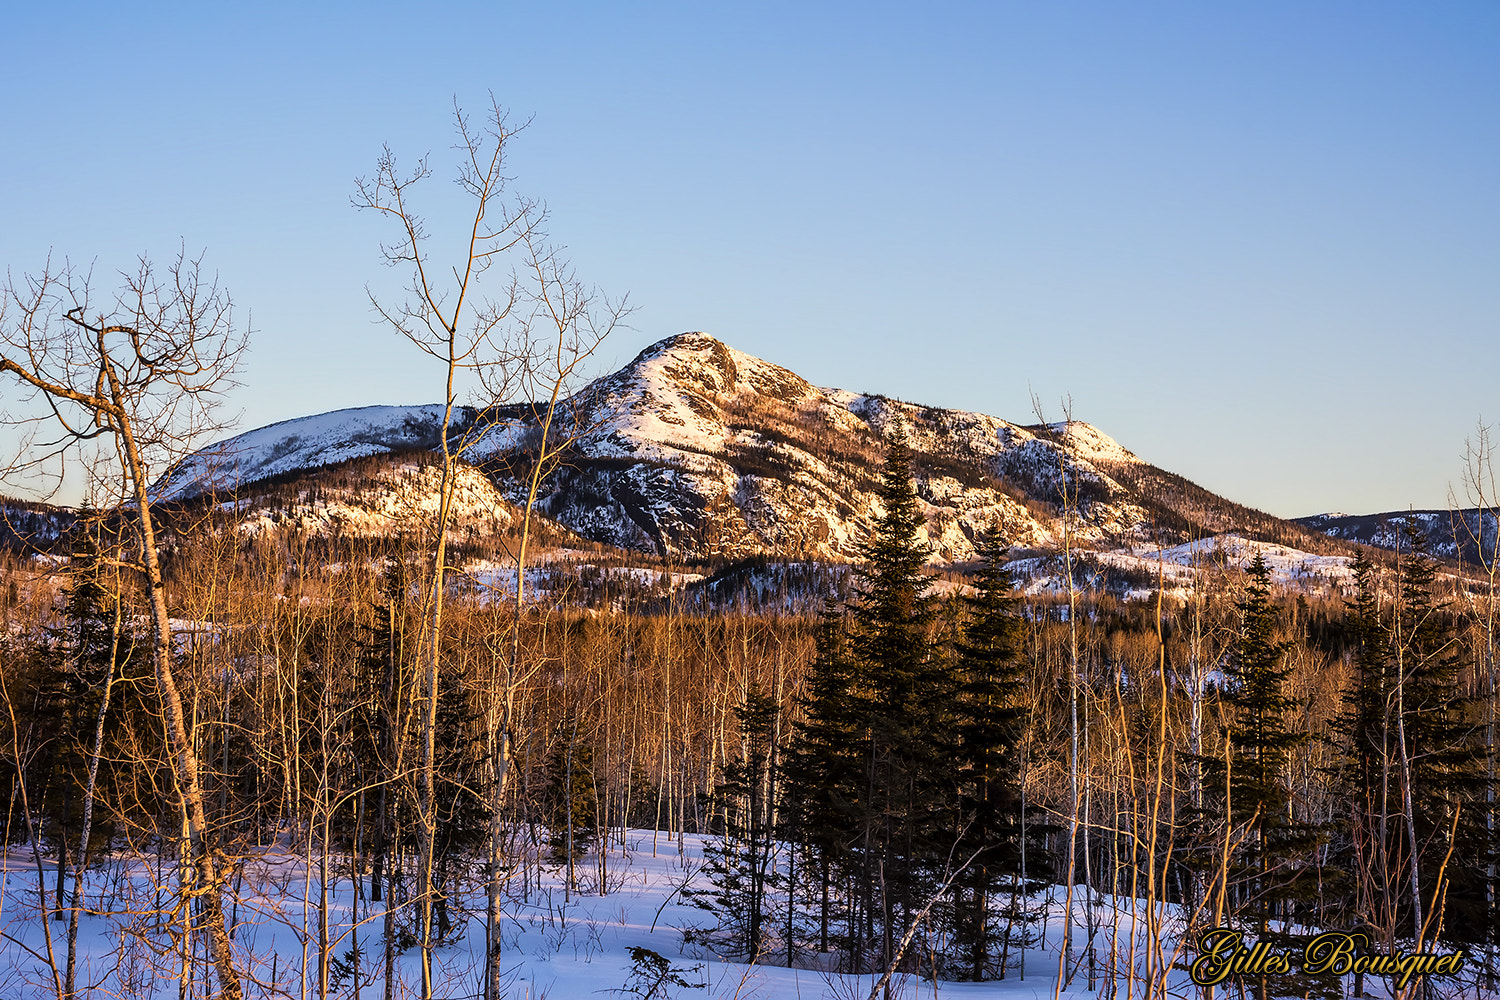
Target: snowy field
x=558, y=944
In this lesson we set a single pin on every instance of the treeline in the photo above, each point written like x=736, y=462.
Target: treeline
x=900, y=783
x=1225, y=757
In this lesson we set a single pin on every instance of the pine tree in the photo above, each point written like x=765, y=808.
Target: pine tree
x=825, y=782
x=376, y=730
x=1363, y=742
x=1272, y=870
x=991, y=723
x=571, y=800
x=741, y=863
x=909, y=694
x=82, y=653
x=1440, y=758
x=458, y=809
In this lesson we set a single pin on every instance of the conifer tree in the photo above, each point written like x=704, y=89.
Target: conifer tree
x=377, y=690
x=991, y=722
x=908, y=693
x=825, y=774
x=1365, y=751
x=458, y=810
x=741, y=864
x=571, y=801
x=83, y=653
x=1440, y=758
x=1272, y=870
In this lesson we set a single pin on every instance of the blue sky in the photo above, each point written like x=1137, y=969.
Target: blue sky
x=1259, y=244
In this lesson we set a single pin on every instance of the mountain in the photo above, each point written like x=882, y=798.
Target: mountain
x=1451, y=534
x=697, y=451
x=31, y=527
x=306, y=443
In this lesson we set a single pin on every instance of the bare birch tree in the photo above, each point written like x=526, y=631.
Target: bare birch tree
x=529, y=341
x=137, y=377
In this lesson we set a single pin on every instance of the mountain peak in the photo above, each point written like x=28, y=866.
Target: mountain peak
x=698, y=363
x=697, y=450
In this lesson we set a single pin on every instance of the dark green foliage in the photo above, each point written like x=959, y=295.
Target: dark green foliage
x=82, y=653
x=375, y=689
x=1442, y=743
x=825, y=777
x=741, y=863
x=1365, y=748
x=653, y=977
x=1272, y=875
x=572, y=802
x=908, y=692
x=991, y=725
x=459, y=811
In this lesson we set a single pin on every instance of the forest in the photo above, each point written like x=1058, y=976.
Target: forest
x=901, y=776
x=891, y=784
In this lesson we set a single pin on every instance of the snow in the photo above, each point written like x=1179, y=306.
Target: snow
x=696, y=449
x=389, y=500
x=1177, y=566
x=1092, y=443
x=302, y=443
x=557, y=943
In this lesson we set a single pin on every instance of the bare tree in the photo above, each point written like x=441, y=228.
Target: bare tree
x=445, y=317
x=139, y=377
x=1480, y=491
x=530, y=341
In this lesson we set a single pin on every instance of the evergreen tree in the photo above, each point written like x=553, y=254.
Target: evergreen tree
x=825, y=782
x=1271, y=872
x=82, y=652
x=571, y=802
x=459, y=812
x=741, y=863
x=908, y=693
x=376, y=731
x=1364, y=745
x=1441, y=758
x=991, y=722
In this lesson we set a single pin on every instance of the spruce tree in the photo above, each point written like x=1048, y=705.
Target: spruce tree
x=825, y=783
x=741, y=863
x=991, y=721
x=1440, y=758
x=82, y=652
x=458, y=810
x=571, y=801
x=1365, y=749
x=1272, y=872
x=908, y=692
x=376, y=727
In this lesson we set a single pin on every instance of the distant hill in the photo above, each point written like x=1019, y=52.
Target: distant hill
x=1451, y=534
x=695, y=450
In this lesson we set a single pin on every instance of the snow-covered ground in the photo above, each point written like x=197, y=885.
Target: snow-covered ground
x=557, y=944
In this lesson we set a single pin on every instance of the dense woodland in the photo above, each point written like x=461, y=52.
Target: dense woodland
x=892, y=782
x=893, y=775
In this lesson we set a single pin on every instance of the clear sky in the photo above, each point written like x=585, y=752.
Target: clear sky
x=1259, y=244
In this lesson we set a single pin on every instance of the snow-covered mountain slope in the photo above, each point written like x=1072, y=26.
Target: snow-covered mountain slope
x=28, y=527
x=696, y=450
x=306, y=443
x=379, y=499
x=1451, y=534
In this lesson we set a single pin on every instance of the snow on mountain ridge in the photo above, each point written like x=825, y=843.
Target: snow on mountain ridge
x=734, y=455
x=303, y=443
x=695, y=449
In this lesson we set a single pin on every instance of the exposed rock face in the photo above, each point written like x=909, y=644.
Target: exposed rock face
x=696, y=450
